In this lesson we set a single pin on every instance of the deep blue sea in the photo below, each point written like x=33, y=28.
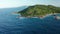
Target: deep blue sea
x=9, y=24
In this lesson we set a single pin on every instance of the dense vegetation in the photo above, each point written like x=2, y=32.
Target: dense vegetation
x=39, y=10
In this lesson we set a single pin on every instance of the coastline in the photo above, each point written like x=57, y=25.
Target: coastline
x=41, y=17
x=36, y=17
x=50, y=14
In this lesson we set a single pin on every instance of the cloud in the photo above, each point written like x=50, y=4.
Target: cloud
x=17, y=3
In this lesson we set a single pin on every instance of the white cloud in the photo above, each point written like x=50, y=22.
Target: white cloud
x=10, y=3
x=17, y=3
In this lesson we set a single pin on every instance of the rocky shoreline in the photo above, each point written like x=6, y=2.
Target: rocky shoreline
x=41, y=17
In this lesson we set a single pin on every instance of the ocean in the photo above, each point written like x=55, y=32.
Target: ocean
x=9, y=24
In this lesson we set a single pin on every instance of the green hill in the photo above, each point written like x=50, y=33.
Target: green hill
x=39, y=10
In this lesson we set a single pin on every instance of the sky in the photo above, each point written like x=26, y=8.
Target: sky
x=18, y=3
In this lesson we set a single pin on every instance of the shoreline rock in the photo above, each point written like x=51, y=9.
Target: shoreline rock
x=41, y=17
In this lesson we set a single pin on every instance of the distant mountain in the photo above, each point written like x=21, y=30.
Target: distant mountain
x=12, y=9
x=39, y=10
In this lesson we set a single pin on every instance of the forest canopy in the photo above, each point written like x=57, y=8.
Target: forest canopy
x=39, y=10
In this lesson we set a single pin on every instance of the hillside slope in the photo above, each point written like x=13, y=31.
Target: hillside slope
x=39, y=10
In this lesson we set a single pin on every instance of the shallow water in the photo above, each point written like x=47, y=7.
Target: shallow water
x=9, y=24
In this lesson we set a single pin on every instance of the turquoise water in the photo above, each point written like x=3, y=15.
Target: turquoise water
x=9, y=24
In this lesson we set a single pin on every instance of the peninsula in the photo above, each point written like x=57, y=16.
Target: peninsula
x=39, y=11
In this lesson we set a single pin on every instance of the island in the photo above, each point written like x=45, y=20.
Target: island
x=39, y=11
